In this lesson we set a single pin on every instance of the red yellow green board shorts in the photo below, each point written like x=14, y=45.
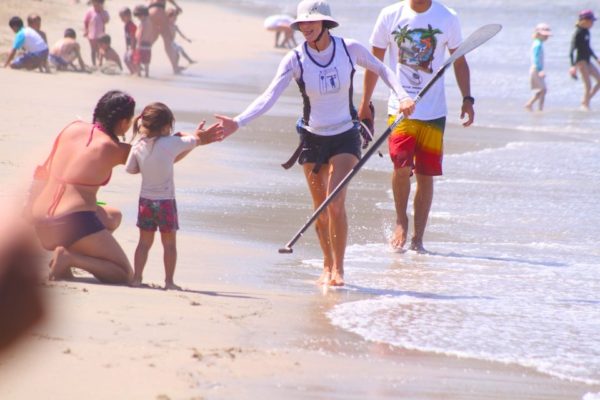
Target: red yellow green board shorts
x=418, y=144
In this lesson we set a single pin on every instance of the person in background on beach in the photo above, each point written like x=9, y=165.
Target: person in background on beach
x=154, y=156
x=63, y=206
x=172, y=13
x=108, y=58
x=35, y=49
x=581, y=54
x=330, y=142
x=417, y=33
x=537, y=74
x=280, y=24
x=143, y=39
x=160, y=24
x=34, y=21
x=94, y=26
x=130, y=41
x=64, y=53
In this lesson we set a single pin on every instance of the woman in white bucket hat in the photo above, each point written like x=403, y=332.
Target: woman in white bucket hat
x=330, y=143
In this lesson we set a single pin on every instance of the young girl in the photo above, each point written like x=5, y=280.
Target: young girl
x=581, y=54
x=154, y=155
x=537, y=74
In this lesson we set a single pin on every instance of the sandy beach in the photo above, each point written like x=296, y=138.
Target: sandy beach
x=249, y=323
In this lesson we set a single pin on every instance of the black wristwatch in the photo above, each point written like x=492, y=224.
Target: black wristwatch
x=469, y=98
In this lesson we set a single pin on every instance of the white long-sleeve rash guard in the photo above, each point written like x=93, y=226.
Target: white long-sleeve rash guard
x=289, y=68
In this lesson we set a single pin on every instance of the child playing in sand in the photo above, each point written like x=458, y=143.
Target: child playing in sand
x=34, y=21
x=537, y=74
x=64, y=53
x=172, y=14
x=34, y=49
x=144, y=36
x=154, y=155
x=94, y=24
x=130, y=30
x=108, y=58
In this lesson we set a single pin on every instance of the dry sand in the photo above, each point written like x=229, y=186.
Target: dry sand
x=220, y=338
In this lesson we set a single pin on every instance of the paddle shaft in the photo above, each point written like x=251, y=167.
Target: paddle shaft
x=376, y=144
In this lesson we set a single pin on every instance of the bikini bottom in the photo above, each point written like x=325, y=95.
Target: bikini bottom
x=67, y=229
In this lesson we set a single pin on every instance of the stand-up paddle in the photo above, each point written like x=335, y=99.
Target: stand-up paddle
x=475, y=40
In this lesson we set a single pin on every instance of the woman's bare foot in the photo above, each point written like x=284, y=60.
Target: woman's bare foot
x=337, y=278
x=59, y=266
x=398, y=238
x=325, y=277
x=172, y=286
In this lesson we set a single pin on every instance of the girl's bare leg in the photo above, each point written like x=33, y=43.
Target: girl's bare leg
x=169, y=243
x=141, y=256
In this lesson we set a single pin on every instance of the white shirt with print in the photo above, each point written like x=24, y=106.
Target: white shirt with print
x=417, y=44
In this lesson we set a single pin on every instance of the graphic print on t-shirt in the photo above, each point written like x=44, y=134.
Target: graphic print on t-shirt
x=329, y=81
x=416, y=49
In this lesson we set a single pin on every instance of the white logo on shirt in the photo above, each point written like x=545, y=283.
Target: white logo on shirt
x=329, y=81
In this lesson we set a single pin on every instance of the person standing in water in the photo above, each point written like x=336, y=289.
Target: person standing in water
x=323, y=67
x=537, y=73
x=581, y=55
x=417, y=32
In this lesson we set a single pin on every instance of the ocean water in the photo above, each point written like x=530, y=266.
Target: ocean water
x=512, y=273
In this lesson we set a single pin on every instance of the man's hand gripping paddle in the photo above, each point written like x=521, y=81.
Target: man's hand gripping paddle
x=476, y=39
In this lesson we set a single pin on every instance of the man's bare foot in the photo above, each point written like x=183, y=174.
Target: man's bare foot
x=136, y=281
x=325, y=277
x=417, y=245
x=529, y=107
x=337, y=278
x=59, y=266
x=172, y=286
x=398, y=238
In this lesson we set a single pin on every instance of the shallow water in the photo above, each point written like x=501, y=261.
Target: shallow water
x=512, y=271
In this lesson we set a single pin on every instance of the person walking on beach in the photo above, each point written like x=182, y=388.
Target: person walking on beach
x=94, y=26
x=63, y=204
x=537, y=74
x=154, y=155
x=142, y=55
x=27, y=39
x=160, y=24
x=173, y=13
x=581, y=54
x=130, y=41
x=323, y=67
x=417, y=32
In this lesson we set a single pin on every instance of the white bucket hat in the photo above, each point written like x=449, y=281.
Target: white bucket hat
x=314, y=10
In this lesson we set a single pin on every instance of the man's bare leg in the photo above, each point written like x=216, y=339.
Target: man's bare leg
x=401, y=190
x=422, y=205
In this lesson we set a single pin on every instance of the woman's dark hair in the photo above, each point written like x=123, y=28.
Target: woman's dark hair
x=153, y=119
x=113, y=107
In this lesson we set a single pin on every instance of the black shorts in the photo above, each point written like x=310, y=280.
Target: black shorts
x=319, y=149
x=67, y=229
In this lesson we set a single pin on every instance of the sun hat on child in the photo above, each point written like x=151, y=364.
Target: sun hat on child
x=314, y=10
x=587, y=14
x=543, y=29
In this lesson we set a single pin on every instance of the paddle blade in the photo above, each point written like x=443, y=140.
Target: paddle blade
x=286, y=250
x=475, y=39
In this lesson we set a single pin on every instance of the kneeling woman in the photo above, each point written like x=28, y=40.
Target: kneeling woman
x=323, y=67
x=65, y=214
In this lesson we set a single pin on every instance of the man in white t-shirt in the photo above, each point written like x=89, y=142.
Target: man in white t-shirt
x=417, y=33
